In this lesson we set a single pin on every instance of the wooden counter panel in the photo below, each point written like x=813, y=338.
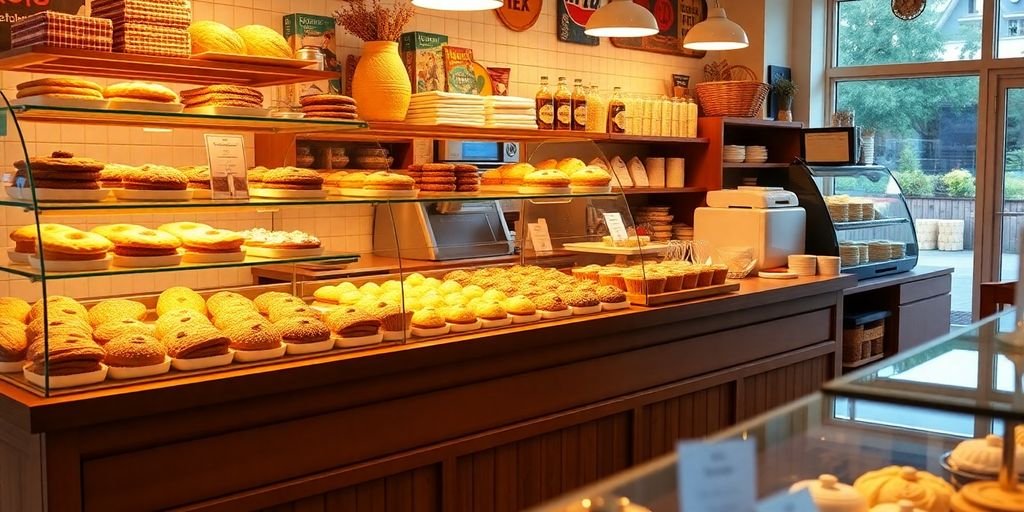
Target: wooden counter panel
x=293, y=448
x=773, y=388
x=409, y=491
x=693, y=415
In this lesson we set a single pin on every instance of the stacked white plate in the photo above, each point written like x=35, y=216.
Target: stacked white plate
x=803, y=264
x=734, y=154
x=756, y=154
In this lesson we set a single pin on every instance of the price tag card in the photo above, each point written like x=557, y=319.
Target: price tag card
x=616, y=227
x=716, y=477
x=783, y=501
x=226, y=156
x=540, y=236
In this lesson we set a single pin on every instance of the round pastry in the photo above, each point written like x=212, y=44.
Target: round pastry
x=610, y=294
x=176, y=319
x=515, y=174
x=328, y=294
x=383, y=180
x=893, y=483
x=582, y=298
x=110, y=330
x=13, y=340
x=116, y=309
x=134, y=350
x=145, y=242
x=195, y=341
x=459, y=276
x=292, y=178
x=255, y=175
x=491, y=177
x=61, y=161
x=550, y=302
x=14, y=308
x=253, y=335
x=60, y=82
x=58, y=303
x=550, y=163
x=337, y=99
x=982, y=456
x=428, y=318
x=459, y=315
x=65, y=355
x=221, y=300
x=590, y=177
x=352, y=322
x=831, y=496
x=280, y=311
x=75, y=245
x=260, y=40
x=180, y=297
x=210, y=36
x=140, y=91
x=570, y=165
x=391, y=316
x=546, y=178
x=198, y=176
x=264, y=301
x=179, y=229
x=488, y=310
x=300, y=329
x=473, y=291
x=110, y=176
x=24, y=238
x=154, y=177
x=212, y=241
x=353, y=180
x=335, y=179
x=519, y=305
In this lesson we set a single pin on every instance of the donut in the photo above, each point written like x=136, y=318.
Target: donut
x=116, y=309
x=253, y=335
x=57, y=303
x=134, y=350
x=13, y=340
x=75, y=245
x=212, y=240
x=195, y=341
x=14, y=308
x=173, y=320
x=110, y=330
x=179, y=229
x=180, y=297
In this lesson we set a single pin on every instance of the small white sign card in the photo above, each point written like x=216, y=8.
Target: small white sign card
x=616, y=228
x=783, y=501
x=716, y=477
x=540, y=236
x=226, y=156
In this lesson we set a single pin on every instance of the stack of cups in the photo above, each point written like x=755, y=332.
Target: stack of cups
x=675, y=176
x=655, y=171
x=828, y=265
x=803, y=264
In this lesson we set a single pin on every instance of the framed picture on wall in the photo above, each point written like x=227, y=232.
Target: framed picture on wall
x=675, y=18
x=776, y=73
x=572, y=18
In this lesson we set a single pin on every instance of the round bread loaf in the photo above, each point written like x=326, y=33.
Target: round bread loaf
x=14, y=308
x=260, y=40
x=253, y=335
x=210, y=36
x=116, y=309
x=299, y=329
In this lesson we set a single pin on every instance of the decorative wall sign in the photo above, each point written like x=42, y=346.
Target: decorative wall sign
x=520, y=15
x=572, y=18
x=13, y=11
x=675, y=18
x=776, y=73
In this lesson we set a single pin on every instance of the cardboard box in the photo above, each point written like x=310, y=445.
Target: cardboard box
x=421, y=52
x=310, y=30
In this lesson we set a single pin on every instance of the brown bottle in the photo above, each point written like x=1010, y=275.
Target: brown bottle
x=616, y=113
x=545, y=106
x=563, y=106
x=579, y=106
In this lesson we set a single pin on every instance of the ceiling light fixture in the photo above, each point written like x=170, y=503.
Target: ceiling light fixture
x=621, y=18
x=716, y=33
x=459, y=5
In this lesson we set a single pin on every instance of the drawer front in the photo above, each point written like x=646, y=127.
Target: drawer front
x=923, y=321
x=919, y=290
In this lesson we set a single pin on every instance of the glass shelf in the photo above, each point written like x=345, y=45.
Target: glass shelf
x=99, y=116
x=250, y=261
x=969, y=371
x=117, y=207
x=864, y=224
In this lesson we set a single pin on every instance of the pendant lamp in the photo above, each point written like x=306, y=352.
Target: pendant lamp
x=459, y=5
x=716, y=33
x=621, y=18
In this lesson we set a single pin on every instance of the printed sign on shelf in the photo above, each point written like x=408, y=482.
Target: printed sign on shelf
x=540, y=236
x=226, y=155
x=716, y=477
x=572, y=19
x=616, y=228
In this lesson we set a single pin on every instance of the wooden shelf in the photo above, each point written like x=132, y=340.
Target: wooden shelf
x=405, y=132
x=650, y=139
x=745, y=165
x=86, y=63
x=863, y=362
x=761, y=123
x=666, y=190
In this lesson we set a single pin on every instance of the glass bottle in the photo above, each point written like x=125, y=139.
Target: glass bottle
x=545, y=106
x=579, y=106
x=616, y=112
x=563, y=106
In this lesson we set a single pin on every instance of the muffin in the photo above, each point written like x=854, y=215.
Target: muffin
x=640, y=282
x=582, y=301
x=721, y=271
x=611, y=298
x=611, y=276
x=707, y=274
x=690, y=277
x=110, y=330
x=673, y=279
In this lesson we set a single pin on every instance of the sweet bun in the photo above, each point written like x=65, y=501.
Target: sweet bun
x=550, y=163
x=195, y=341
x=14, y=308
x=58, y=302
x=180, y=297
x=13, y=341
x=264, y=301
x=299, y=329
x=570, y=165
x=253, y=335
x=264, y=41
x=179, y=318
x=116, y=309
x=110, y=330
x=65, y=355
x=134, y=350
x=210, y=36
x=222, y=299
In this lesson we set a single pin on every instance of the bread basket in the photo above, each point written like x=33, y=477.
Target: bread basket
x=738, y=97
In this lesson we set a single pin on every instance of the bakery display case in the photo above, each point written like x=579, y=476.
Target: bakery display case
x=907, y=429
x=858, y=213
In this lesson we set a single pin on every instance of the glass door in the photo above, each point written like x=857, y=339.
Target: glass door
x=1009, y=167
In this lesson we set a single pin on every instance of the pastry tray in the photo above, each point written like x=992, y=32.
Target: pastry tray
x=47, y=101
x=124, y=372
x=146, y=106
x=528, y=190
x=59, y=194
x=579, y=189
x=72, y=265
x=273, y=252
x=681, y=295
x=280, y=193
x=309, y=348
x=131, y=194
x=147, y=261
x=601, y=248
x=258, y=60
x=383, y=194
x=66, y=381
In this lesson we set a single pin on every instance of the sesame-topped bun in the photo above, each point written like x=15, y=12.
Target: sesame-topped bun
x=297, y=330
x=58, y=302
x=582, y=297
x=57, y=324
x=195, y=341
x=134, y=350
x=550, y=163
x=490, y=310
x=14, y=308
x=13, y=342
x=550, y=302
x=283, y=310
x=428, y=318
x=116, y=309
x=519, y=305
x=352, y=322
x=610, y=294
x=264, y=301
x=233, y=313
x=253, y=335
x=110, y=330
x=180, y=297
x=179, y=229
x=65, y=355
x=459, y=315
x=222, y=299
x=390, y=315
x=179, y=318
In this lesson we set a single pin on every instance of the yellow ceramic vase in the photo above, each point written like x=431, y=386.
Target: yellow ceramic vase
x=380, y=84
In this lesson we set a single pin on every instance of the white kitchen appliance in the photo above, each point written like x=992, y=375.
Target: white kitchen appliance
x=765, y=219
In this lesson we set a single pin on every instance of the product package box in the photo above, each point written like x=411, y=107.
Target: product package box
x=421, y=52
x=463, y=74
x=312, y=31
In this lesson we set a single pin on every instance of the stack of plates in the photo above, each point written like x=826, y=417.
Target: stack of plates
x=734, y=154
x=682, y=231
x=657, y=220
x=757, y=154
x=803, y=264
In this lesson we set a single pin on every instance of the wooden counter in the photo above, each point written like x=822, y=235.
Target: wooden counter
x=488, y=421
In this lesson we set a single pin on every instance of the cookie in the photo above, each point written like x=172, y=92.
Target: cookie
x=140, y=91
x=49, y=90
x=465, y=168
x=61, y=82
x=437, y=179
x=225, y=103
x=60, y=161
x=438, y=167
x=467, y=188
x=433, y=187
x=326, y=99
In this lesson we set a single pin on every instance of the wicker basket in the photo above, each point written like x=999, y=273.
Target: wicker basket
x=735, y=98
x=863, y=341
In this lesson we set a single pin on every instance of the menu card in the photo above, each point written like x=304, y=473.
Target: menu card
x=616, y=228
x=716, y=477
x=540, y=236
x=226, y=156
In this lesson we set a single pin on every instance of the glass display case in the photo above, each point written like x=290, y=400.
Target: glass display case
x=926, y=426
x=857, y=213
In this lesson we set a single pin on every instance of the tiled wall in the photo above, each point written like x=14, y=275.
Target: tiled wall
x=530, y=54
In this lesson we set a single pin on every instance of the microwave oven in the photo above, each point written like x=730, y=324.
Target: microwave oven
x=480, y=153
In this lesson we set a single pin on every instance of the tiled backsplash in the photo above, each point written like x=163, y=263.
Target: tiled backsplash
x=530, y=54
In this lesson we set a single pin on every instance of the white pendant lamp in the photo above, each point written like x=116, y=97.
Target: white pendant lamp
x=621, y=18
x=459, y=5
x=716, y=33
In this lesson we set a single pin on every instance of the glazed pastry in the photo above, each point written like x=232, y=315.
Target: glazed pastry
x=352, y=322
x=14, y=308
x=110, y=330
x=116, y=309
x=134, y=350
x=58, y=303
x=154, y=177
x=180, y=297
x=74, y=245
x=177, y=319
x=180, y=229
x=210, y=36
x=195, y=341
x=546, y=178
x=140, y=91
x=263, y=41
x=65, y=355
x=894, y=483
x=253, y=335
x=298, y=330
x=13, y=341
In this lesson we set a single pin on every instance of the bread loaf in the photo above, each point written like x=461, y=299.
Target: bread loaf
x=263, y=41
x=210, y=36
